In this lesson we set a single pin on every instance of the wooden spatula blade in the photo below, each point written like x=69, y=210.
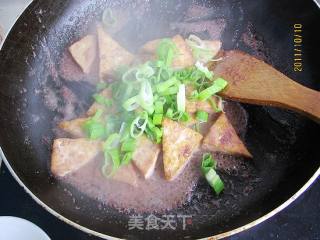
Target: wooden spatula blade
x=254, y=81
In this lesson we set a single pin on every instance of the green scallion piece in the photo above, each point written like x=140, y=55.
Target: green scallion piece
x=218, y=85
x=126, y=158
x=102, y=100
x=202, y=116
x=131, y=104
x=208, y=166
x=138, y=125
x=94, y=128
x=128, y=145
x=158, y=107
x=157, y=118
x=163, y=86
x=181, y=98
x=214, y=181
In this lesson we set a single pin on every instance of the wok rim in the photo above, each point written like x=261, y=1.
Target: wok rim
x=245, y=227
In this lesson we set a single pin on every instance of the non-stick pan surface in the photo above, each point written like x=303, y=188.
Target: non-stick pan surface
x=285, y=146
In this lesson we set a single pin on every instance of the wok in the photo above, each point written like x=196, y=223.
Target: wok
x=285, y=145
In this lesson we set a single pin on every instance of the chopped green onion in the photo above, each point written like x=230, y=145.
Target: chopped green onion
x=214, y=105
x=146, y=97
x=157, y=118
x=94, y=128
x=202, y=116
x=137, y=128
x=129, y=76
x=181, y=98
x=207, y=163
x=158, y=107
x=131, y=104
x=127, y=157
x=194, y=95
x=208, y=166
x=163, y=86
x=129, y=145
x=204, y=70
x=200, y=50
x=166, y=51
x=169, y=113
x=185, y=117
x=177, y=115
x=102, y=100
x=214, y=181
x=112, y=142
x=144, y=72
x=115, y=156
x=170, y=91
x=155, y=134
x=218, y=85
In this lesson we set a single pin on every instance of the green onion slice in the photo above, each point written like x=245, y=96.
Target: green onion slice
x=127, y=157
x=157, y=118
x=208, y=166
x=131, y=103
x=181, y=98
x=129, y=145
x=202, y=116
x=204, y=70
x=146, y=97
x=102, y=100
x=218, y=85
x=138, y=125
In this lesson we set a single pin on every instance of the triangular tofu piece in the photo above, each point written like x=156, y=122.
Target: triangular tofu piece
x=84, y=52
x=126, y=174
x=69, y=155
x=179, y=142
x=74, y=127
x=145, y=156
x=150, y=47
x=97, y=106
x=222, y=137
x=184, y=56
x=214, y=46
x=111, y=54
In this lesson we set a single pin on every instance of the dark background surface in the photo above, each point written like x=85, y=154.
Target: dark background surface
x=300, y=221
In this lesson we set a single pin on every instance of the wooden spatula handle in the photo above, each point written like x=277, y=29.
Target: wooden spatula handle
x=301, y=99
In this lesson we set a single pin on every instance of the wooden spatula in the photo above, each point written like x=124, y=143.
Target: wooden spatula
x=253, y=81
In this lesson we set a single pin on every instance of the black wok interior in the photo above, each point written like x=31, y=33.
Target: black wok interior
x=284, y=144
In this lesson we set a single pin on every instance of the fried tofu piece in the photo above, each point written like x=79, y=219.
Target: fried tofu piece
x=126, y=174
x=111, y=54
x=150, y=47
x=184, y=56
x=194, y=106
x=69, y=155
x=84, y=52
x=214, y=46
x=97, y=106
x=179, y=142
x=145, y=156
x=74, y=127
x=222, y=137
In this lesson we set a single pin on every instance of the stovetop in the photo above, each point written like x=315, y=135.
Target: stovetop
x=301, y=220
